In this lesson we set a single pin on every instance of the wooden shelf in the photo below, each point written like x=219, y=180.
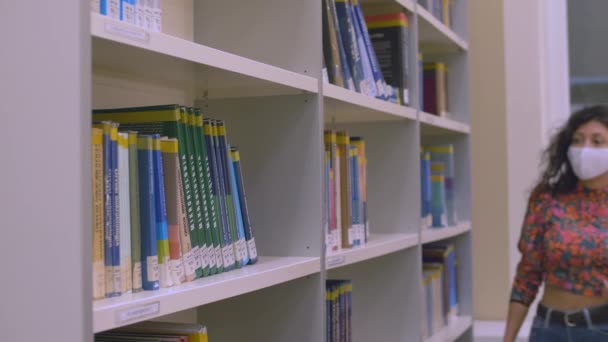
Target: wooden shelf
x=377, y=245
x=437, y=234
x=453, y=330
x=121, y=48
x=131, y=308
x=433, y=34
x=345, y=105
x=435, y=125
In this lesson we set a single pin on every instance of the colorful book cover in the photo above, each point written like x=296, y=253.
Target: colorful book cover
x=425, y=180
x=166, y=121
x=135, y=213
x=194, y=148
x=99, y=286
x=354, y=187
x=247, y=227
x=445, y=154
x=228, y=248
x=199, y=211
x=389, y=34
x=361, y=164
x=353, y=53
x=125, y=213
x=343, y=143
x=438, y=207
x=147, y=205
x=115, y=200
x=170, y=160
x=162, y=234
x=203, y=175
x=435, y=91
x=330, y=45
x=215, y=192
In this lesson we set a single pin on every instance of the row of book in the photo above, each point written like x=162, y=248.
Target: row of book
x=440, y=287
x=146, y=14
x=169, y=202
x=434, y=97
x=339, y=301
x=443, y=10
x=346, y=220
x=366, y=54
x=156, y=332
x=437, y=184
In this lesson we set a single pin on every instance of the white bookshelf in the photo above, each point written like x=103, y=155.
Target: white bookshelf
x=253, y=66
x=453, y=331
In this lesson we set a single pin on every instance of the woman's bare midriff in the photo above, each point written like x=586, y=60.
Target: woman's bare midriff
x=559, y=299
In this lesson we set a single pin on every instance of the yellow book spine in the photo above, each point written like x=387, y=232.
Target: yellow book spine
x=99, y=289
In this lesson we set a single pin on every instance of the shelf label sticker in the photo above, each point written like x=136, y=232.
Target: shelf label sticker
x=335, y=260
x=137, y=312
x=126, y=31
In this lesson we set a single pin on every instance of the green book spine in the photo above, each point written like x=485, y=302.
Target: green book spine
x=200, y=177
x=163, y=120
x=228, y=190
x=134, y=207
x=213, y=182
x=198, y=206
x=212, y=243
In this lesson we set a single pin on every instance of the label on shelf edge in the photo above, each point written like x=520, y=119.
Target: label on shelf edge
x=136, y=312
x=126, y=31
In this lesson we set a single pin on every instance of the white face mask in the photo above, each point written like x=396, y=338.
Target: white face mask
x=588, y=162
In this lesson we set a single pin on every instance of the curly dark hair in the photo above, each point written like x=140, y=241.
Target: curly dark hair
x=557, y=176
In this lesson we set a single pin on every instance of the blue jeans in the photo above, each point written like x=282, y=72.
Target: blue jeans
x=543, y=331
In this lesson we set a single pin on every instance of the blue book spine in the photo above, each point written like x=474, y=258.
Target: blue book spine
x=438, y=201
x=251, y=247
x=115, y=211
x=215, y=192
x=354, y=168
x=160, y=206
x=227, y=254
x=108, y=224
x=349, y=39
x=238, y=216
x=147, y=207
x=425, y=175
x=346, y=74
x=103, y=7
x=368, y=52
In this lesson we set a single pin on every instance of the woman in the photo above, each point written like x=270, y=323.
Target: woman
x=564, y=238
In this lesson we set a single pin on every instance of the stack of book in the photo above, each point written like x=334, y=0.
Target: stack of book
x=169, y=202
x=368, y=55
x=145, y=14
x=346, y=220
x=338, y=300
x=437, y=180
x=156, y=332
x=440, y=297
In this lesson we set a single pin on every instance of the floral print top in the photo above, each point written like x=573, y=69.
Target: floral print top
x=564, y=242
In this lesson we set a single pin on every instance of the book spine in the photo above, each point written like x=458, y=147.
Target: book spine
x=338, y=197
x=373, y=59
x=115, y=191
x=147, y=205
x=354, y=171
x=368, y=76
x=218, y=233
x=140, y=13
x=225, y=164
x=195, y=191
x=351, y=48
x=135, y=213
x=108, y=217
x=445, y=154
x=127, y=11
x=248, y=228
x=148, y=14
x=437, y=201
x=157, y=16
x=227, y=248
x=349, y=83
x=184, y=228
x=170, y=159
x=95, y=6
x=330, y=45
x=125, y=213
x=211, y=236
x=203, y=194
x=345, y=192
x=99, y=286
x=162, y=235
x=240, y=244
x=114, y=9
